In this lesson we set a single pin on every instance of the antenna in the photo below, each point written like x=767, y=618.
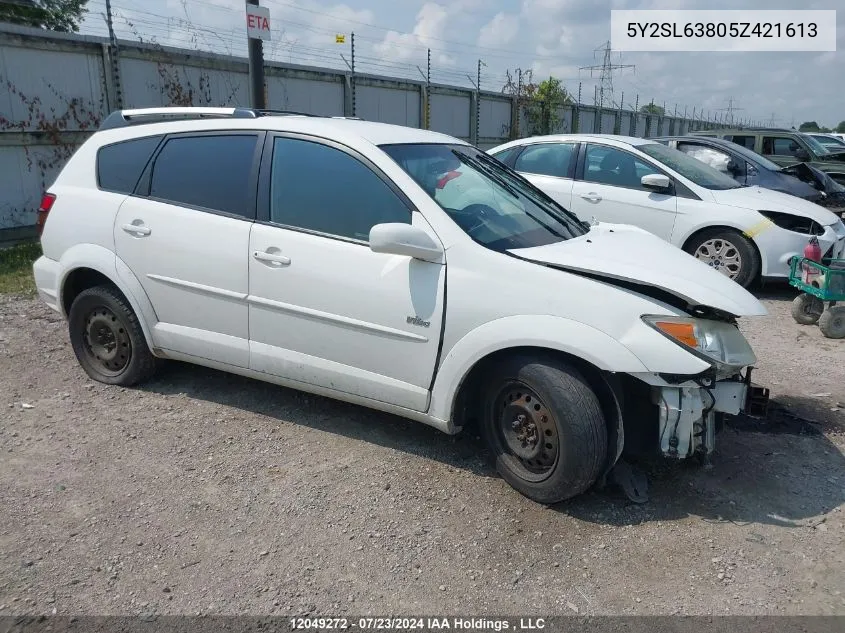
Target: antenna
x=607, y=67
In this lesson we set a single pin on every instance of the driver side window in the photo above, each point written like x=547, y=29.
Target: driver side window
x=780, y=146
x=618, y=168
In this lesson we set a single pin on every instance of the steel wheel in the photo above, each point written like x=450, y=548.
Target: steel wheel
x=722, y=255
x=106, y=341
x=526, y=431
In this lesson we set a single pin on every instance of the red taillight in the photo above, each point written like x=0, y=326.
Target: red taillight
x=47, y=201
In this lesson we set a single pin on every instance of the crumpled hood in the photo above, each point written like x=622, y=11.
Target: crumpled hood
x=619, y=251
x=760, y=199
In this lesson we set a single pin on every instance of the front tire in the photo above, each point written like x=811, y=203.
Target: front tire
x=107, y=338
x=807, y=309
x=729, y=252
x=545, y=427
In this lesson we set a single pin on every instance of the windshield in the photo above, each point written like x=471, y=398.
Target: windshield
x=830, y=142
x=492, y=204
x=690, y=168
x=817, y=147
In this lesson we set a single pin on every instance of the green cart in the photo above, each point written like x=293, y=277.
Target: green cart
x=819, y=284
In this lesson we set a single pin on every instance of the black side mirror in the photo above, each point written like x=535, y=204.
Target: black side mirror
x=733, y=167
x=802, y=154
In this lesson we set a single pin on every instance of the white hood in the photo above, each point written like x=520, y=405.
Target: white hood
x=760, y=199
x=625, y=252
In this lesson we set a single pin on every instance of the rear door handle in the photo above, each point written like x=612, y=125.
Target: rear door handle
x=591, y=197
x=136, y=229
x=271, y=258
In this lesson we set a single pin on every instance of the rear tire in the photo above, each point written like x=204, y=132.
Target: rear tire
x=832, y=322
x=107, y=338
x=807, y=309
x=727, y=251
x=545, y=427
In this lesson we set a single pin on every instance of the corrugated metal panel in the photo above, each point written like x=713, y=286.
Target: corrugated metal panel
x=303, y=95
x=56, y=79
x=586, y=121
x=148, y=83
x=625, y=124
x=388, y=105
x=495, y=118
x=450, y=114
x=608, y=122
x=565, y=118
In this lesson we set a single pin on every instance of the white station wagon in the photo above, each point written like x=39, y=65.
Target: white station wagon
x=395, y=268
x=746, y=233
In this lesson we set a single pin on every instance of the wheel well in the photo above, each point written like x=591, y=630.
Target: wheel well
x=81, y=279
x=710, y=229
x=465, y=409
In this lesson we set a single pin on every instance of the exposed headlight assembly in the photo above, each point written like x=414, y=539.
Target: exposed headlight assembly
x=720, y=344
x=795, y=223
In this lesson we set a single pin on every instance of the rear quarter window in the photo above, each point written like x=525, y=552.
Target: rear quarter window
x=119, y=165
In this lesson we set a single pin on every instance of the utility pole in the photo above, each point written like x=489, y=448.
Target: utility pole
x=113, y=58
x=354, y=90
x=607, y=68
x=428, y=92
x=478, y=100
x=256, y=69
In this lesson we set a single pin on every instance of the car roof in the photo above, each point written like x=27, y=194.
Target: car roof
x=337, y=128
x=610, y=139
x=699, y=139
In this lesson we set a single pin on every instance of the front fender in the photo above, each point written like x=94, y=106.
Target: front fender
x=555, y=333
x=109, y=265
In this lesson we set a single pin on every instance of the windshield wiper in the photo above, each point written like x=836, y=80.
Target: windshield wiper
x=474, y=162
x=534, y=190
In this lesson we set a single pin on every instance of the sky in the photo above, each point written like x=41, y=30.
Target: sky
x=551, y=37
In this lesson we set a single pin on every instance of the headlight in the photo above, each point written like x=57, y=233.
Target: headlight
x=719, y=343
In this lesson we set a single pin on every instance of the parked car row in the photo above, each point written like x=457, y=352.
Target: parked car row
x=410, y=272
x=787, y=147
x=743, y=230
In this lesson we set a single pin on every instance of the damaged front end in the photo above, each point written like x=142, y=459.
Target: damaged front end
x=831, y=194
x=689, y=408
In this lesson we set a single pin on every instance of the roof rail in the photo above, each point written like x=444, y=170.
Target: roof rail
x=123, y=118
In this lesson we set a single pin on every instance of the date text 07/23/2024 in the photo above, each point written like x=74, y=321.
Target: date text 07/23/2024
x=420, y=624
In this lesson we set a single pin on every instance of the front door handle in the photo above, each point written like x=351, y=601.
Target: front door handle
x=136, y=229
x=591, y=197
x=271, y=258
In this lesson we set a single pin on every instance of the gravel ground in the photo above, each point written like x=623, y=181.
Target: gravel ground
x=207, y=493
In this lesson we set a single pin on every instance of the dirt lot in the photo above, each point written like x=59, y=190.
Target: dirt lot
x=206, y=493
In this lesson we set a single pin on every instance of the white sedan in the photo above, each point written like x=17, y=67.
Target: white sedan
x=744, y=232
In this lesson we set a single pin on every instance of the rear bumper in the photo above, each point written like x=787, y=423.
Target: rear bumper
x=46, y=272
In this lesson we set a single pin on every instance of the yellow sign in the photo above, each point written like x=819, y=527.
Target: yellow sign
x=340, y=39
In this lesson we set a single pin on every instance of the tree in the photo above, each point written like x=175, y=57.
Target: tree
x=652, y=108
x=841, y=127
x=539, y=103
x=54, y=15
x=809, y=126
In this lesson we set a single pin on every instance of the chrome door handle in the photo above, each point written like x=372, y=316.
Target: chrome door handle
x=271, y=258
x=136, y=229
x=591, y=197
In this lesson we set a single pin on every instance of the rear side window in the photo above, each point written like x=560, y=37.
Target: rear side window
x=212, y=172
x=745, y=141
x=546, y=159
x=119, y=166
